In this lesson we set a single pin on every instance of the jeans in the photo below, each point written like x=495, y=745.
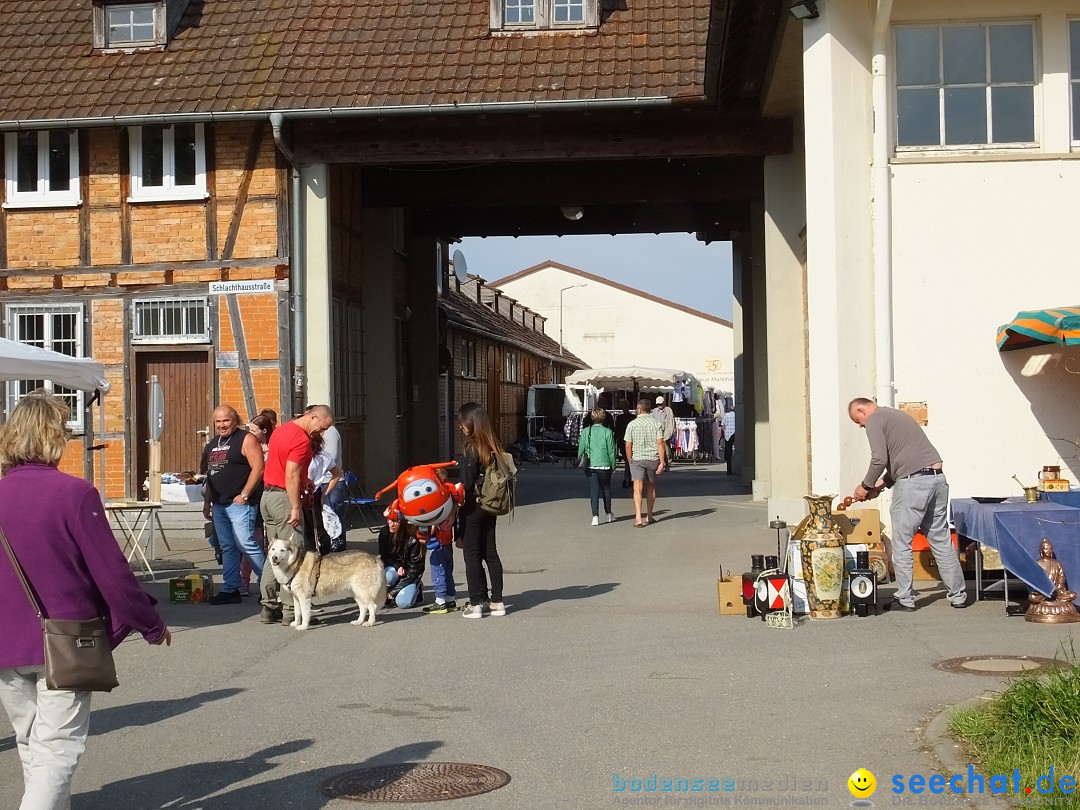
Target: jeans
x=599, y=483
x=478, y=543
x=729, y=452
x=235, y=528
x=921, y=503
x=336, y=497
x=50, y=733
x=407, y=596
x=441, y=563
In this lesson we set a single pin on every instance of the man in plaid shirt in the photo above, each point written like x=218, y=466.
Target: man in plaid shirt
x=646, y=452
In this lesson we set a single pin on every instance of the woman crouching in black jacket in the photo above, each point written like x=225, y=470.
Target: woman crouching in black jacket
x=403, y=555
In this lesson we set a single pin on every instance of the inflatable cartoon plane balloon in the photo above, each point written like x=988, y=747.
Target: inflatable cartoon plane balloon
x=424, y=499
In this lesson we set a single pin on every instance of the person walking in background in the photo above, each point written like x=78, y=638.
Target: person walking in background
x=286, y=481
x=477, y=536
x=902, y=458
x=646, y=451
x=621, y=421
x=728, y=427
x=664, y=415
x=61, y=539
x=233, y=464
x=598, y=443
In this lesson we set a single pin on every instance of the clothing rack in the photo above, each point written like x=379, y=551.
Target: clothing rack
x=693, y=439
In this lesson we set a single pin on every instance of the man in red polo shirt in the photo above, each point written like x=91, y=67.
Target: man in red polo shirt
x=285, y=486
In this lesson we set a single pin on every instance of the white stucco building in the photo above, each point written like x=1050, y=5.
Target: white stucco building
x=610, y=324
x=932, y=194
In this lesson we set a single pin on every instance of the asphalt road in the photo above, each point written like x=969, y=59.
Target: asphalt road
x=611, y=665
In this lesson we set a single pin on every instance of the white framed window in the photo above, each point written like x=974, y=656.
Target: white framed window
x=133, y=24
x=1074, y=76
x=57, y=328
x=511, y=367
x=544, y=14
x=966, y=85
x=168, y=162
x=170, y=320
x=468, y=358
x=129, y=25
x=348, y=345
x=42, y=168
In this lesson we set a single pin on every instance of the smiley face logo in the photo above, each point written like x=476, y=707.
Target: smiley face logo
x=862, y=784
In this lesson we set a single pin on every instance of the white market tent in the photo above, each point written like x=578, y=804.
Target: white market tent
x=18, y=361
x=629, y=378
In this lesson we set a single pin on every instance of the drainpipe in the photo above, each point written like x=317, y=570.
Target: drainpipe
x=882, y=210
x=296, y=267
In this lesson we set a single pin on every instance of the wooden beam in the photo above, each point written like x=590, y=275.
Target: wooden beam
x=281, y=200
x=124, y=150
x=83, y=141
x=240, y=341
x=258, y=132
x=613, y=219
x=578, y=183
x=211, y=191
x=157, y=267
x=674, y=134
x=3, y=219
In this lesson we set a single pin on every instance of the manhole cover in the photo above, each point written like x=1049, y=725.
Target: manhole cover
x=996, y=664
x=415, y=782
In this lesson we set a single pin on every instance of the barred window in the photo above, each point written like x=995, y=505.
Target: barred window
x=348, y=344
x=166, y=320
x=58, y=329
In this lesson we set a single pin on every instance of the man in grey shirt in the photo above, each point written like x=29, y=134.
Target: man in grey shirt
x=902, y=458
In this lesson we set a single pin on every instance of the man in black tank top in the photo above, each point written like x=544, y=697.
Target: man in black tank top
x=233, y=464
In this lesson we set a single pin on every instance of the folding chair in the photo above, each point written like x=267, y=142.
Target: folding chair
x=367, y=508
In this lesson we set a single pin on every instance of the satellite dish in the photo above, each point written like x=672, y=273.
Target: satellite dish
x=461, y=268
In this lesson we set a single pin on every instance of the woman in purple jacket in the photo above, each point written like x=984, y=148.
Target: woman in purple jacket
x=58, y=530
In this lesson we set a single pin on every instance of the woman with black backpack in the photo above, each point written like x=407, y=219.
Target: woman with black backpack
x=477, y=526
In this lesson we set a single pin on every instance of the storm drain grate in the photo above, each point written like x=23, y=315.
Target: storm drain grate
x=415, y=782
x=996, y=665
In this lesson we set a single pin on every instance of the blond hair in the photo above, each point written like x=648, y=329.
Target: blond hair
x=35, y=431
x=598, y=415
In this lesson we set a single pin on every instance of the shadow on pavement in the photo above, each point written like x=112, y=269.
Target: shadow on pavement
x=102, y=721
x=675, y=515
x=529, y=599
x=194, y=786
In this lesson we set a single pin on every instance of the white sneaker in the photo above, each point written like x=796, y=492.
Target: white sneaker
x=610, y=518
x=497, y=608
x=596, y=521
x=472, y=611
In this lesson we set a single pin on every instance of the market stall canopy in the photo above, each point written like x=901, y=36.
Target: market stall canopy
x=1039, y=327
x=629, y=377
x=18, y=361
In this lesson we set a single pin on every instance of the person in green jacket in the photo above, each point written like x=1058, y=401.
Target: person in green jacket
x=598, y=443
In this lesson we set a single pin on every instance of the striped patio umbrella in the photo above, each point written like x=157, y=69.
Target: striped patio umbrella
x=1038, y=327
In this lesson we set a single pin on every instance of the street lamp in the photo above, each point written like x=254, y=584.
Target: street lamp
x=564, y=289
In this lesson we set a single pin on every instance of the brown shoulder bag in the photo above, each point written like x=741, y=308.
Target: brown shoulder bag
x=77, y=653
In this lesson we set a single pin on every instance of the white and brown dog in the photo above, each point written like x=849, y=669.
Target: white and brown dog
x=309, y=576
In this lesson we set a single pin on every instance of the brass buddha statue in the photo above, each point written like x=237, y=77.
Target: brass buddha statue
x=1056, y=609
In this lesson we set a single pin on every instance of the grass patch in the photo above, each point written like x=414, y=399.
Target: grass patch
x=1033, y=725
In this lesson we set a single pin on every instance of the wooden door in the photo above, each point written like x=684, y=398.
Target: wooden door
x=186, y=381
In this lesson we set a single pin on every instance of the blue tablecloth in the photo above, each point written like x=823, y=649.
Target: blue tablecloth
x=1070, y=498
x=1016, y=528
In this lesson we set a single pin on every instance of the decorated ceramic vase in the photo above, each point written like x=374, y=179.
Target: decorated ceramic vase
x=822, y=549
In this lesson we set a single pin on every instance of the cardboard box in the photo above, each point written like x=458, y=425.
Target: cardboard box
x=925, y=567
x=192, y=589
x=859, y=526
x=729, y=595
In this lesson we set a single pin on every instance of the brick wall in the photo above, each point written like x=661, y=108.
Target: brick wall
x=171, y=232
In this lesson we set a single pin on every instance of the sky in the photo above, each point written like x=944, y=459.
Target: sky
x=675, y=266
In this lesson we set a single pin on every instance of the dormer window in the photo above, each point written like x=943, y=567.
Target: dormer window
x=129, y=25
x=532, y=15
